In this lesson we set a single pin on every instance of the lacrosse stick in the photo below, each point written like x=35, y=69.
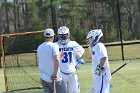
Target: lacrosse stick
x=92, y=90
x=120, y=67
x=54, y=86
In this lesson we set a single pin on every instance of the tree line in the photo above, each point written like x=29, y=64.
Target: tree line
x=80, y=16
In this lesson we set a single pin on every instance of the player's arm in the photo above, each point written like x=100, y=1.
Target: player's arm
x=102, y=62
x=78, y=49
x=100, y=67
x=56, y=58
x=103, y=56
x=56, y=66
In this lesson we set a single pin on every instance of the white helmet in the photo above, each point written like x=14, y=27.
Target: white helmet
x=63, y=34
x=93, y=37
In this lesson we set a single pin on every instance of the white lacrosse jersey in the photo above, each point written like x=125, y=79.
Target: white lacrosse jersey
x=99, y=51
x=46, y=52
x=71, y=50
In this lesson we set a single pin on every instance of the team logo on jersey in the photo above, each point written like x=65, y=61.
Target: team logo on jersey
x=93, y=52
x=66, y=49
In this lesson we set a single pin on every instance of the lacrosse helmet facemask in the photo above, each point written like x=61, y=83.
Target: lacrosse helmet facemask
x=93, y=37
x=63, y=35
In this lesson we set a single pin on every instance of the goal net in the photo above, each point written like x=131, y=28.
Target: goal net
x=19, y=60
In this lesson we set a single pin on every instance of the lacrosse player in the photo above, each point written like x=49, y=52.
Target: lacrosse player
x=72, y=53
x=100, y=65
x=48, y=56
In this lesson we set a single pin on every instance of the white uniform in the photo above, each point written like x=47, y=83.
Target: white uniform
x=101, y=82
x=46, y=60
x=71, y=50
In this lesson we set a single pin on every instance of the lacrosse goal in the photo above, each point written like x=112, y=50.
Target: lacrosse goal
x=19, y=60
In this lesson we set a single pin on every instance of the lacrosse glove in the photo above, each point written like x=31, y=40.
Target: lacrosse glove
x=79, y=63
x=99, y=70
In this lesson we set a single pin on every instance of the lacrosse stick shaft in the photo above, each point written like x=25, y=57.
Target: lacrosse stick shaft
x=119, y=68
x=54, y=87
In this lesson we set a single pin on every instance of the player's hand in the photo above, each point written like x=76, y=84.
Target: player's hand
x=54, y=77
x=61, y=54
x=99, y=70
x=79, y=63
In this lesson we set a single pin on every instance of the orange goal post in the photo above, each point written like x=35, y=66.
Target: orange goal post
x=19, y=60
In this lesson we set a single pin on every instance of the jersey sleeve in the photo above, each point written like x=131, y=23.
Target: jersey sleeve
x=78, y=49
x=102, y=51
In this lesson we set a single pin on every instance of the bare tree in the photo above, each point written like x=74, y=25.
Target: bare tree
x=7, y=18
x=138, y=19
x=1, y=1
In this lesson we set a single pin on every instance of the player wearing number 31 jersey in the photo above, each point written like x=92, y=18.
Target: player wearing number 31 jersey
x=72, y=51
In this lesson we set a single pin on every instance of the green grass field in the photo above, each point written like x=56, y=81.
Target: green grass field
x=1, y=81
x=125, y=80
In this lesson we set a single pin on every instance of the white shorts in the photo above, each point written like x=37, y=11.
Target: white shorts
x=101, y=84
x=71, y=82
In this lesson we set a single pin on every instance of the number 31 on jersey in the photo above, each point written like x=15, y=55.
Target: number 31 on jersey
x=67, y=57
